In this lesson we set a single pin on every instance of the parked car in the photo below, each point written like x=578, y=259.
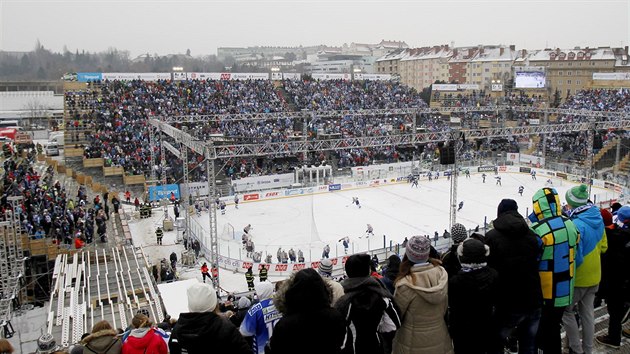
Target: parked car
x=52, y=149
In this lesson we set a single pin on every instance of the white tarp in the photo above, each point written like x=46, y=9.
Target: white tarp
x=175, y=297
x=263, y=182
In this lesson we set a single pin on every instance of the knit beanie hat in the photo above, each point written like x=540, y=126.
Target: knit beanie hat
x=201, y=298
x=607, y=216
x=244, y=302
x=358, y=265
x=506, y=205
x=623, y=214
x=264, y=290
x=577, y=196
x=458, y=233
x=325, y=266
x=418, y=249
x=473, y=253
x=46, y=344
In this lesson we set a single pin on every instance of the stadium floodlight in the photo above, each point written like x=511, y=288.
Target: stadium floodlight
x=178, y=68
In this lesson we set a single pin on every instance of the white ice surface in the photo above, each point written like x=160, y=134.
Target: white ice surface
x=309, y=222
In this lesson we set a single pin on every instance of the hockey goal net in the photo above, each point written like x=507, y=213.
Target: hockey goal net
x=228, y=232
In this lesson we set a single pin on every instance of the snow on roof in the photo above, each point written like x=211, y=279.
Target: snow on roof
x=558, y=54
x=395, y=55
x=495, y=54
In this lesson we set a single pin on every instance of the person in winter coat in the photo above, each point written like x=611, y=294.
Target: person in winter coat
x=203, y=330
x=144, y=338
x=588, y=273
x=371, y=315
x=304, y=301
x=422, y=297
x=558, y=238
x=615, y=276
x=471, y=298
x=450, y=261
x=249, y=278
x=514, y=253
x=261, y=318
x=325, y=269
x=390, y=272
x=103, y=340
x=242, y=307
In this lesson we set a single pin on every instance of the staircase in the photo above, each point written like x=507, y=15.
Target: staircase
x=284, y=96
x=624, y=164
x=607, y=150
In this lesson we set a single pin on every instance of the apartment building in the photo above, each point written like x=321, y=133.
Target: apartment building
x=490, y=63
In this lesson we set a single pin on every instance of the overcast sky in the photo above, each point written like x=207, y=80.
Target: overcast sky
x=158, y=26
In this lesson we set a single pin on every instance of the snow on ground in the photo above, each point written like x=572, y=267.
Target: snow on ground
x=310, y=222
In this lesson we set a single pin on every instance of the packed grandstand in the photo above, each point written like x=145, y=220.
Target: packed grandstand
x=109, y=120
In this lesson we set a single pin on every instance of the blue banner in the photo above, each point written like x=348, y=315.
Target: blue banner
x=163, y=192
x=87, y=77
x=334, y=187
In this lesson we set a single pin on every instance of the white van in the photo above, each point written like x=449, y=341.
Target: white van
x=52, y=149
x=57, y=138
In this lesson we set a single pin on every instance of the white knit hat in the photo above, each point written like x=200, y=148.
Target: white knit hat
x=201, y=298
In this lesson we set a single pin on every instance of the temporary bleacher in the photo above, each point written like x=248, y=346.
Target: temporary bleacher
x=106, y=284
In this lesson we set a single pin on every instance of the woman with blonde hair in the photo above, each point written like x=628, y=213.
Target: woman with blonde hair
x=144, y=338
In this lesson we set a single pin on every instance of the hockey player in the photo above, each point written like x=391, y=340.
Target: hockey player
x=533, y=173
x=279, y=254
x=345, y=242
x=236, y=201
x=300, y=255
x=437, y=175
x=549, y=182
x=257, y=256
x=292, y=255
x=467, y=172
x=430, y=176
x=461, y=205
x=355, y=200
x=369, y=231
x=498, y=178
x=414, y=182
x=284, y=257
x=269, y=258
x=244, y=239
x=222, y=207
x=249, y=247
x=520, y=190
x=247, y=228
x=483, y=177
x=326, y=252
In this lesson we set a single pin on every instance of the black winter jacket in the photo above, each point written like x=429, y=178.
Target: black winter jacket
x=514, y=254
x=316, y=332
x=204, y=332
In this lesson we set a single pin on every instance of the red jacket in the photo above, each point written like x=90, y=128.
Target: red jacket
x=78, y=243
x=204, y=269
x=144, y=341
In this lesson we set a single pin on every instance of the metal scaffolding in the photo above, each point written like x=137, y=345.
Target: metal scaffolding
x=211, y=152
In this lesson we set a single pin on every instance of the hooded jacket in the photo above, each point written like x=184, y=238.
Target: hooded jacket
x=471, y=298
x=144, y=341
x=201, y=332
x=422, y=298
x=559, y=239
x=102, y=342
x=370, y=314
x=593, y=243
x=514, y=253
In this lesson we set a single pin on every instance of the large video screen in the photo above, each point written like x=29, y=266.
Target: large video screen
x=529, y=79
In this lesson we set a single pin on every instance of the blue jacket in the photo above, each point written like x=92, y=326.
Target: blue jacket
x=593, y=243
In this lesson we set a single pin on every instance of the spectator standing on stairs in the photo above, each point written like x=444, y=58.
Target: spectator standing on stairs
x=159, y=234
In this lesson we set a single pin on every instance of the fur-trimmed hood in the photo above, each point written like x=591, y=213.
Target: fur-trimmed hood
x=102, y=341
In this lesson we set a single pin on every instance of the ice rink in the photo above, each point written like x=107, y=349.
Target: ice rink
x=396, y=211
